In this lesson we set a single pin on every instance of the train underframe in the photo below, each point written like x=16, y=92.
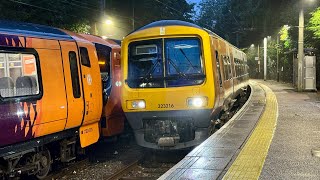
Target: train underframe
x=170, y=129
x=35, y=156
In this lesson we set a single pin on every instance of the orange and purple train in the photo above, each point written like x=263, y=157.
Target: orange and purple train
x=55, y=87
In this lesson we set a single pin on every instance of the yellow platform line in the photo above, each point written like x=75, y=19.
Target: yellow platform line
x=250, y=161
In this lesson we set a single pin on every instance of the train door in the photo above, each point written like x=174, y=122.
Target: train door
x=230, y=67
x=72, y=77
x=91, y=82
x=220, y=81
x=233, y=74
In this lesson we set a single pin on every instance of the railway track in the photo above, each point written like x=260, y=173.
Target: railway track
x=150, y=166
x=123, y=171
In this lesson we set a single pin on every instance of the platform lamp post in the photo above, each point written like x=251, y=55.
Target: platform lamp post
x=265, y=43
x=301, y=43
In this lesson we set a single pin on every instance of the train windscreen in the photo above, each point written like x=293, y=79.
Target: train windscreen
x=160, y=63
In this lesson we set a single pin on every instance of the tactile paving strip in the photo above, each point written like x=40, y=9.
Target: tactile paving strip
x=250, y=161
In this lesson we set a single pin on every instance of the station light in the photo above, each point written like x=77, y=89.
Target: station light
x=108, y=21
x=197, y=102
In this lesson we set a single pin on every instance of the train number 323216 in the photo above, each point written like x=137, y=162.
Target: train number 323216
x=165, y=106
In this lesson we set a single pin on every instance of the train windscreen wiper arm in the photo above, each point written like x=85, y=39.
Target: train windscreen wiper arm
x=184, y=54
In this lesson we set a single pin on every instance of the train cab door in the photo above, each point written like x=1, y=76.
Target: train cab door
x=230, y=69
x=91, y=82
x=71, y=66
x=219, y=81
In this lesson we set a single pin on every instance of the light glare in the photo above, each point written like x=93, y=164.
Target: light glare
x=108, y=21
x=197, y=102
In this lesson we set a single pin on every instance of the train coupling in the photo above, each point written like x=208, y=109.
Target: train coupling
x=168, y=141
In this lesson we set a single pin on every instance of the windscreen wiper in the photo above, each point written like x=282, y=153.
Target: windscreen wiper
x=184, y=54
x=176, y=68
x=146, y=77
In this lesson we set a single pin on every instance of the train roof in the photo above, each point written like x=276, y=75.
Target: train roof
x=167, y=23
x=216, y=35
x=33, y=30
x=99, y=40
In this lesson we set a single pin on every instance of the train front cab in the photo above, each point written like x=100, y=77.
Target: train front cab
x=168, y=94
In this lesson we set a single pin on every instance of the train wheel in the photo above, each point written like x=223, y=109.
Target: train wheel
x=44, y=164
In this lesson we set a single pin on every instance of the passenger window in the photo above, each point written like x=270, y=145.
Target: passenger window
x=85, y=60
x=74, y=74
x=18, y=75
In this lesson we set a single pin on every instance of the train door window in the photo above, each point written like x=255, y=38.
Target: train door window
x=18, y=75
x=238, y=72
x=225, y=70
x=218, y=68
x=85, y=60
x=236, y=67
x=104, y=58
x=2, y=66
x=74, y=74
x=229, y=68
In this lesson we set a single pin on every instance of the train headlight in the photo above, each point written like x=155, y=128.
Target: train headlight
x=197, y=102
x=136, y=104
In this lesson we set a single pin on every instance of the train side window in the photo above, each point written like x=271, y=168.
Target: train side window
x=85, y=60
x=18, y=75
x=218, y=68
x=74, y=74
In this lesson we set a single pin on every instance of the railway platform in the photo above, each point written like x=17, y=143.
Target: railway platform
x=275, y=135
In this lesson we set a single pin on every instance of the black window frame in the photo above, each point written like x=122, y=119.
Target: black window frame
x=76, y=89
x=25, y=98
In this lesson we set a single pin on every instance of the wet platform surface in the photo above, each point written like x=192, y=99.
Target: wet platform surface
x=296, y=135
x=213, y=158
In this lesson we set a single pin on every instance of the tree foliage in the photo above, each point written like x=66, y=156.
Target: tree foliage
x=83, y=15
x=314, y=23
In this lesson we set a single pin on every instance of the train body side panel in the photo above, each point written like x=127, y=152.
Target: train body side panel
x=75, y=99
x=22, y=120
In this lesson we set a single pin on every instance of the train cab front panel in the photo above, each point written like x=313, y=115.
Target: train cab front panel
x=168, y=87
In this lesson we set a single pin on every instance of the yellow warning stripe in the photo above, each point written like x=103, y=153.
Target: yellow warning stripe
x=250, y=161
